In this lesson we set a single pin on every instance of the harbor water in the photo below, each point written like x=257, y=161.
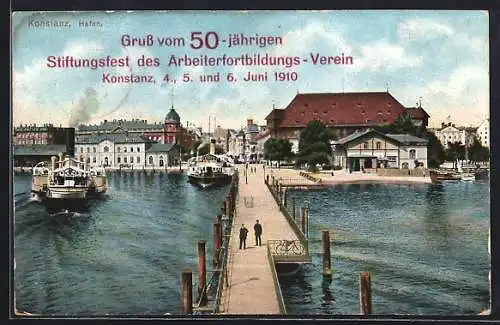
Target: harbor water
x=424, y=245
x=123, y=254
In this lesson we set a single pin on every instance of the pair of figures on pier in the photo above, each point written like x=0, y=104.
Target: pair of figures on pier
x=257, y=228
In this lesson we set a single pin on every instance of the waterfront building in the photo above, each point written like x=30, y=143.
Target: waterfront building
x=372, y=149
x=34, y=143
x=450, y=133
x=30, y=155
x=171, y=131
x=123, y=149
x=343, y=113
x=483, y=133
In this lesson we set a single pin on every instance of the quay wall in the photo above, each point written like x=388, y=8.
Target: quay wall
x=418, y=172
x=277, y=286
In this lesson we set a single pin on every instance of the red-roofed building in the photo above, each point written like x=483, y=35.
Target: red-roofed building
x=344, y=113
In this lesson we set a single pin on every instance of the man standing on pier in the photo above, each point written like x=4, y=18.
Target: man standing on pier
x=258, y=232
x=243, y=236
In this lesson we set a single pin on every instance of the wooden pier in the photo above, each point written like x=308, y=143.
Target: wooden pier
x=252, y=286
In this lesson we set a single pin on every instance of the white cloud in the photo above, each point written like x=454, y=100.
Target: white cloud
x=418, y=29
x=384, y=56
x=301, y=40
x=428, y=29
x=463, y=94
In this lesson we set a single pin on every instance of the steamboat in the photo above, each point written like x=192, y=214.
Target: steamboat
x=210, y=169
x=67, y=179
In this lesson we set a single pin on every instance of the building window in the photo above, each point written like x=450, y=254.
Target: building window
x=131, y=149
x=138, y=160
x=365, y=145
x=161, y=161
x=118, y=160
x=125, y=159
x=106, y=149
x=119, y=149
x=88, y=160
x=94, y=160
x=138, y=149
x=413, y=154
x=81, y=150
x=88, y=149
x=124, y=149
x=150, y=160
x=378, y=145
x=93, y=150
x=131, y=160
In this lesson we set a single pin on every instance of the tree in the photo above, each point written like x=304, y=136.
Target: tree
x=277, y=149
x=314, y=144
x=478, y=153
x=404, y=124
x=455, y=151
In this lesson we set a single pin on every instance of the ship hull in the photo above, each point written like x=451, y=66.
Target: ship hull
x=206, y=181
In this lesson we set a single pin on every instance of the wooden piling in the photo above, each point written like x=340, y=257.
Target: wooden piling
x=303, y=219
x=306, y=215
x=327, y=271
x=187, y=291
x=217, y=237
x=202, y=271
x=365, y=293
x=293, y=210
x=284, y=196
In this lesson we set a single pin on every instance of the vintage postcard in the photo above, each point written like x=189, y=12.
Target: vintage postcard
x=251, y=163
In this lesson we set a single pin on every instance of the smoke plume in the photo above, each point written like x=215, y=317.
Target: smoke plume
x=86, y=107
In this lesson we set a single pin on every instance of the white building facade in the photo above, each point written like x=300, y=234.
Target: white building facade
x=483, y=133
x=122, y=150
x=370, y=149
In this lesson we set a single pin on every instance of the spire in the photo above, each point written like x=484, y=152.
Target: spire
x=387, y=87
x=172, y=94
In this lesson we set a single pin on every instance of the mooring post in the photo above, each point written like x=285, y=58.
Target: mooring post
x=307, y=222
x=327, y=271
x=187, y=291
x=293, y=210
x=284, y=196
x=202, y=272
x=303, y=219
x=219, y=234
x=365, y=293
x=267, y=179
x=216, y=244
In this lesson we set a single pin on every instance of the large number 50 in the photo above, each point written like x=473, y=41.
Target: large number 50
x=211, y=40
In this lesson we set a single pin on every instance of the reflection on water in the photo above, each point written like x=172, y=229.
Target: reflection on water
x=424, y=245
x=120, y=254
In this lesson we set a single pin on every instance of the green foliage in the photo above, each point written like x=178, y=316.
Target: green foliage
x=403, y=124
x=314, y=144
x=277, y=149
x=478, y=153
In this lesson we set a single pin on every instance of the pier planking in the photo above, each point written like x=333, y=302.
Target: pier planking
x=251, y=287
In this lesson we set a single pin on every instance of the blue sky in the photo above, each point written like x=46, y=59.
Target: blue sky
x=441, y=56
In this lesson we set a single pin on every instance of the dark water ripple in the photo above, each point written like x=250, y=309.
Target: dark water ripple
x=122, y=254
x=424, y=245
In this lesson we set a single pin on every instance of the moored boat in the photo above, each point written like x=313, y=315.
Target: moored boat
x=209, y=170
